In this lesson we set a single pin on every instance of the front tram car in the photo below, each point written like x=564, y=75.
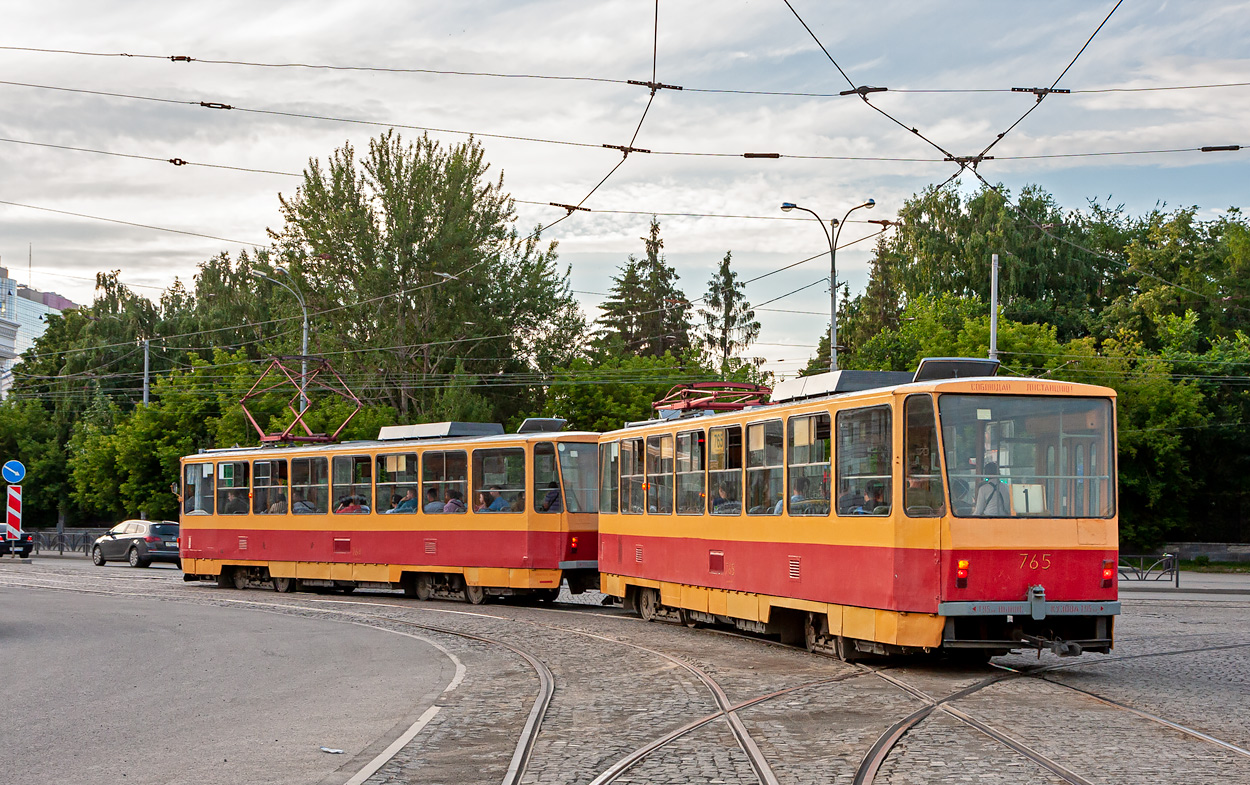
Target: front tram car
x=876, y=513
x=458, y=510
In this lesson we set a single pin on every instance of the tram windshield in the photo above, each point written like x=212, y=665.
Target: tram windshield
x=579, y=467
x=1010, y=456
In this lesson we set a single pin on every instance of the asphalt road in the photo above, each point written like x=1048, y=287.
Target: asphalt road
x=131, y=689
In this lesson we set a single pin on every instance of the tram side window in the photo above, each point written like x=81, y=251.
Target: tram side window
x=724, y=476
x=269, y=494
x=499, y=479
x=310, y=485
x=690, y=478
x=633, y=477
x=397, y=480
x=197, y=489
x=232, y=488
x=446, y=474
x=353, y=484
x=811, y=451
x=765, y=475
x=922, y=492
x=609, y=477
x=660, y=475
x=546, y=490
x=864, y=456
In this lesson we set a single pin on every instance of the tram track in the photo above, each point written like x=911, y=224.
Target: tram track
x=727, y=710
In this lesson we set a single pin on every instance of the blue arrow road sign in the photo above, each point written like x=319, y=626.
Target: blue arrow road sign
x=13, y=471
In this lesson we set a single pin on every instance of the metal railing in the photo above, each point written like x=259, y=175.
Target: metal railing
x=67, y=542
x=1151, y=568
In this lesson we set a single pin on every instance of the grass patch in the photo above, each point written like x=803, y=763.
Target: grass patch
x=1202, y=564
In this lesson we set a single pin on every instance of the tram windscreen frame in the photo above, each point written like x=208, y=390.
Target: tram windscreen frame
x=1028, y=456
x=579, y=467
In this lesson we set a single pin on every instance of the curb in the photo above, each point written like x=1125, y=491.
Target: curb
x=1170, y=589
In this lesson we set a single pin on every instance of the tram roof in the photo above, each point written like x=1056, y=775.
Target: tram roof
x=391, y=445
x=973, y=385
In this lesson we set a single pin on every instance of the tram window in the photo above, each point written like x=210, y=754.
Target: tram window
x=197, y=489
x=499, y=474
x=864, y=456
x=447, y=474
x=690, y=477
x=724, y=476
x=1015, y=456
x=660, y=475
x=577, y=475
x=633, y=477
x=609, y=477
x=232, y=488
x=310, y=485
x=269, y=492
x=546, y=489
x=810, y=450
x=766, y=483
x=353, y=484
x=922, y=491
x=396, y=476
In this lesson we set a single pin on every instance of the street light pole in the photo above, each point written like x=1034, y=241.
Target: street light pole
x=833, y=269
x=303, y=366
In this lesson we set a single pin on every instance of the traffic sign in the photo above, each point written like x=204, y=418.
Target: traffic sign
x=13, y=471
x=13, y=513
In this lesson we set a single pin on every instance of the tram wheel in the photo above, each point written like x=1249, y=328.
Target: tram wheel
x=846, y=648
x=240, y=578
x=546, y=595
x=425, y=588
x=648, y=604
x=474, y=595
x=284, y=585
x=223, y=578
x=814, y=626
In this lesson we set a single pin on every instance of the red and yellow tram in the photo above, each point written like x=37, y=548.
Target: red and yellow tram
x=447, y=509
x=874, y=512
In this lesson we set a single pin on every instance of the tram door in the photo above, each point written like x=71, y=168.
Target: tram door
x=923, y=498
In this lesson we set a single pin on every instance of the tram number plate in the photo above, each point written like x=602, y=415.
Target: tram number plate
x=1035, y=561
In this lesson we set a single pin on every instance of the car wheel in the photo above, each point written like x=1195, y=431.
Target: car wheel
x=136, y=560
x=97, y=556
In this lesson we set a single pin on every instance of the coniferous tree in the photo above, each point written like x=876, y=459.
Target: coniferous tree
x=646, y=309
x=729, y=324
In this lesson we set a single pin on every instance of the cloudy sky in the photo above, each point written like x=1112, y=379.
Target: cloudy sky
x=753, y=80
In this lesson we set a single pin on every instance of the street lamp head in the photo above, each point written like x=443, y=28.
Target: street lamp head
x=871, y=203
x=788, y=206
x=282, y=271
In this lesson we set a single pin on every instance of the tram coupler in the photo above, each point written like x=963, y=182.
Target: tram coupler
x=1060, y=647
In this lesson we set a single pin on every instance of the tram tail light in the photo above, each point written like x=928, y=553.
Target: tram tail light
x=1108, y=573
x=961, y=574
x=573, y=544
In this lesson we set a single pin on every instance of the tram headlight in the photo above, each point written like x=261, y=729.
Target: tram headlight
x=961, y=574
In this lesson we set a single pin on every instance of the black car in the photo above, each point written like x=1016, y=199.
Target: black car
x=22, y=547
x=138, y=542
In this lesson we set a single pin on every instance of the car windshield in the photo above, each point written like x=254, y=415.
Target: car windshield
x=165, y=529
x=1014, y=456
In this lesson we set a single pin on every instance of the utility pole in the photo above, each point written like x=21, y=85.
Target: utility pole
x=146, y=346
x=994, y=307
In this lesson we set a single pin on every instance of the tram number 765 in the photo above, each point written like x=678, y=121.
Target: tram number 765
x=1035, y=560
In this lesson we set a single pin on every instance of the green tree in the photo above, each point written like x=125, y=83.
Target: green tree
x=646, y=311
x=729, y=325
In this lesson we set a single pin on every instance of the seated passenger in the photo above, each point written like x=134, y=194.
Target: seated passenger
x=235, y=504
x=518, y=503
x=432, y=504
x=395, y=500
x=300, y=505
x=552, y=501
x=279, y=505
x=497, y=502
x=410, y=502
x=481, y=501
x=454, y=501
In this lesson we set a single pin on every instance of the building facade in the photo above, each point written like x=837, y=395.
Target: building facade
x=24, y=315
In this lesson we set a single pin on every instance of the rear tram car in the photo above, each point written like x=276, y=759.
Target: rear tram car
x=875, y=512
x=457, y=510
